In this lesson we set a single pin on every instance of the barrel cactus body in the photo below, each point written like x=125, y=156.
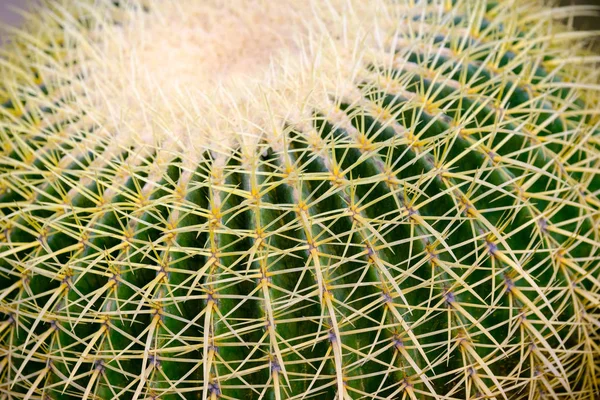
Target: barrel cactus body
x=299, y=200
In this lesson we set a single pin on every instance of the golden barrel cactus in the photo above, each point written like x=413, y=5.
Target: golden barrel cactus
x=338, y=199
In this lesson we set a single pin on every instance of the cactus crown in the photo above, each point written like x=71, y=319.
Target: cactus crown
x=338, y=199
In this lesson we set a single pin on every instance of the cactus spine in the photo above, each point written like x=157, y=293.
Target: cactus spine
x=331, y=200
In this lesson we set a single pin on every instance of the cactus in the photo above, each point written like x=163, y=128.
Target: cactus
x=293, y=200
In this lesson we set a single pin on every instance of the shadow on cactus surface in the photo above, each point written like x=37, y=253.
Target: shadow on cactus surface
x=337, y=199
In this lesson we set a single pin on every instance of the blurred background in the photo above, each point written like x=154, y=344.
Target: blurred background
x=9, y=16
x=591, y=22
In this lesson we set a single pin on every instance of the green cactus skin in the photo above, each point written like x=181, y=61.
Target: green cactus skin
x=429, y=231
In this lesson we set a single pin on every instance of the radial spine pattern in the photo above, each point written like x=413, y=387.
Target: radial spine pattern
x=331, y=200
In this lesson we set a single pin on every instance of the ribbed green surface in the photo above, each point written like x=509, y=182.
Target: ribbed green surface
x=435, y=238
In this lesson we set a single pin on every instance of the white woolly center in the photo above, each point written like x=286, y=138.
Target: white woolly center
x=207, y=44
x=217, y=73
